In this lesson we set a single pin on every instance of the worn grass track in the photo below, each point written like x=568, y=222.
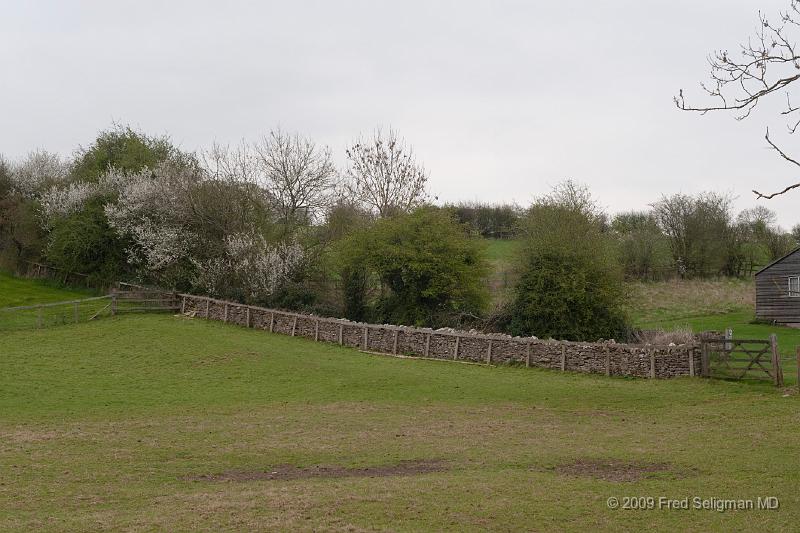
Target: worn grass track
x=110, y=425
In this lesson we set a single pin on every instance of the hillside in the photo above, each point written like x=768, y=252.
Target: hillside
x=17, y=291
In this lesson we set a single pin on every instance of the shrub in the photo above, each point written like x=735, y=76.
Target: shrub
x=566, y=297
x=417, y=269
x=570, y=283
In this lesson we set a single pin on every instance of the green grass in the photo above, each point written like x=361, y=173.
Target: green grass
x=17, y=292
x=668, y=301
x=741, y=322
x=501, y=250
x=501, y=254
x=714, y=305
x=103, y=425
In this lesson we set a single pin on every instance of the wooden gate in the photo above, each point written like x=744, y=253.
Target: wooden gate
x=131, y=298
x=742, y=359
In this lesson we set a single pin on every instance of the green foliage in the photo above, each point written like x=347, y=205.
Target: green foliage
x=567, y=297
x=123, y=148
x=570, y=286
x=424, y=268
x=83, y=242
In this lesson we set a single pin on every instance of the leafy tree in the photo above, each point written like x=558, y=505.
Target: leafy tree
x=570, y=284
x=83, y=242
x=123, y=148
x=568, y=296
x=424, y=267
x=80, y=236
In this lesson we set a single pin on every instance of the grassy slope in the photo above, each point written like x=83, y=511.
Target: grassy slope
x=100, y=423
x=16, y=291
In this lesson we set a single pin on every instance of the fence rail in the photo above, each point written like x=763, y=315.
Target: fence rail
x=55, y=313
x=84, y=310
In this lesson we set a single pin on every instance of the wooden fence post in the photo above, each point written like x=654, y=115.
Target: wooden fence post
x=777, y=371
x=458, y=344
x=705, y=360
x=294, y=325
x=489, y=353
x=341, y=334
x=608, y=360
x=247, y=317
x=271, y=321
x=728, y=338
x=225, y=313
x=394, y=342
x=690, y=353
x=798, y=367
x=316, y=330
x=563, y=357
x=113, y=304
x=528, y=355
x=427, y=344
x=183, y=305
x=208, y=303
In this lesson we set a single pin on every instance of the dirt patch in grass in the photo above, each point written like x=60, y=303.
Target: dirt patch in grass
x=289, y=472
x=611, y=470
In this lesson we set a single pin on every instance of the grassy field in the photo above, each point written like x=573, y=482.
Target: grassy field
x=159, y=422
x=501, y=254
x=16, y=292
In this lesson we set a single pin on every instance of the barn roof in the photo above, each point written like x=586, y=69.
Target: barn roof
x=777, y=261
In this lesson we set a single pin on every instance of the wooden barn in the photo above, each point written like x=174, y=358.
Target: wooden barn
x=778, y=290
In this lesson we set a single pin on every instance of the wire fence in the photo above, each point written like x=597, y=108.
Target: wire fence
x=84, y=310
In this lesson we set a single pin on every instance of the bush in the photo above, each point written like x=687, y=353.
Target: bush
x=84, y=243
x=570, y=282
x=417, y=269
x=565, y=297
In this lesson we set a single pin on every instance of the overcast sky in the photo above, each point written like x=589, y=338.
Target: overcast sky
x=499, y=99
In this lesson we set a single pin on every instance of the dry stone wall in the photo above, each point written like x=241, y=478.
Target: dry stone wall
x=613, y=359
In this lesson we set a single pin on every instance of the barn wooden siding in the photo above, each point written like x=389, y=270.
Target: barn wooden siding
x=772, y=290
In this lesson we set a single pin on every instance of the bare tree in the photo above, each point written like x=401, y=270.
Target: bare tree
x=768, y=63
x=299, y=175
x=384, y=176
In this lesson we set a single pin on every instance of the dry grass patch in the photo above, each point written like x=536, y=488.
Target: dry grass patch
x=654, y=301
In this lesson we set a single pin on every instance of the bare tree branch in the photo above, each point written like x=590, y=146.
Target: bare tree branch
x=384, y=176
x=768, y=63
